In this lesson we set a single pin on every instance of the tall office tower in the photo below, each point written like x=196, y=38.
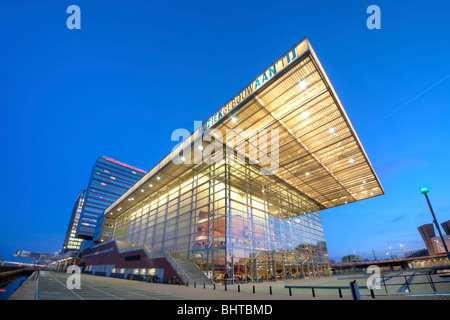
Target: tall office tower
x=109, y=180
x=446, y=226
x=70, y=242
x=427, y=233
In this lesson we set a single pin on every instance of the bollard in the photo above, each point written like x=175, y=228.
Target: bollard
x=214, y=286
x=290, y=292
x=270, y=290
x=187, y=284
x=313, y=292
x=225, y=286
x=204, y=285
x=372, y=293
x=239, y=288
x=340, y=292
x=355, y=290
x=253, y=289
x=195, y=284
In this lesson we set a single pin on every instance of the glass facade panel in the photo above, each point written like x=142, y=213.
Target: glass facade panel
x=234, y=223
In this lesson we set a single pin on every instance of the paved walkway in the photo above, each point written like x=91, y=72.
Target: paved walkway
x=52, y=286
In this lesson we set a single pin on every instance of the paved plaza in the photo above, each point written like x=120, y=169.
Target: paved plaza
x=51, y=285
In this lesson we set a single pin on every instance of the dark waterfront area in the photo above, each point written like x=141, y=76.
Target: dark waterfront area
x=11, y=287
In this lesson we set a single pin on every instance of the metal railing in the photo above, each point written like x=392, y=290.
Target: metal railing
x=173, y=263
x=402, y=283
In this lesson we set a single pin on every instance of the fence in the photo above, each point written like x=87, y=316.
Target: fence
x=402, y=283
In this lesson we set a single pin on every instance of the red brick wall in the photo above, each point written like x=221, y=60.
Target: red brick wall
x=118, y=259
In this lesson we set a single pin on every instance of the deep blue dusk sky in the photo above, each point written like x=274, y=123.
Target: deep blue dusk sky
x=137, y=70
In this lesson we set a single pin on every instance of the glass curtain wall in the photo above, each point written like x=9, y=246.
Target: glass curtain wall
x=234, y=223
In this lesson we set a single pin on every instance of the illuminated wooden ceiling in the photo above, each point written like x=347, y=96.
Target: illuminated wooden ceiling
x=319, y=152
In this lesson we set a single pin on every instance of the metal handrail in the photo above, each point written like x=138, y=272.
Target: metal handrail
x=407, y=284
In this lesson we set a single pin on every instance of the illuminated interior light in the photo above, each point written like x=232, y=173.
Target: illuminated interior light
x=307, y=174
x=259, y=100
x=234, y=120
x=351, y=160
x=150, y=185
x=302, y=84
x=200, y=147
x=142, y=190
x=331, y=130
x=158, y=178
x=182, y=159
x=305, y=114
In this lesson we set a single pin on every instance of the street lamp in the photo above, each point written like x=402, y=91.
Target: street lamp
x=424, y=191
x=403, y=250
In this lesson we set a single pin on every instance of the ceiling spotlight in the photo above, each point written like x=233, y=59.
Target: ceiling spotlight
x=150, y=185
x=234, y=120
x=331, y=130
x=158, y=178
x=142, y=190
x=200, y=147
x=305, y=114
x=307, y=174
x=351, y=160
x=183, y=158
x=302, y=84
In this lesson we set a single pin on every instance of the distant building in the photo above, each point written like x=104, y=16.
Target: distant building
x=417, y=253
x=446, y=226
x=427, y=233
x=437, y=243
x=351, y=258
x=71, y=243
x=109, y=180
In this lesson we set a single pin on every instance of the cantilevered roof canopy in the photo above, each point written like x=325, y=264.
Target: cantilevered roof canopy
x=320, y=154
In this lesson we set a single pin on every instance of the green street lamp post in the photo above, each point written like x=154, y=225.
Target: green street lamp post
x=424, y=191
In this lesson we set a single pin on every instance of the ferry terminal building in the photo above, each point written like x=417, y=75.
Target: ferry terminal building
x=226, y=221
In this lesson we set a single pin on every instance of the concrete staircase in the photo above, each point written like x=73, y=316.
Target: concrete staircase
x=186, y=269
x=190, y=272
